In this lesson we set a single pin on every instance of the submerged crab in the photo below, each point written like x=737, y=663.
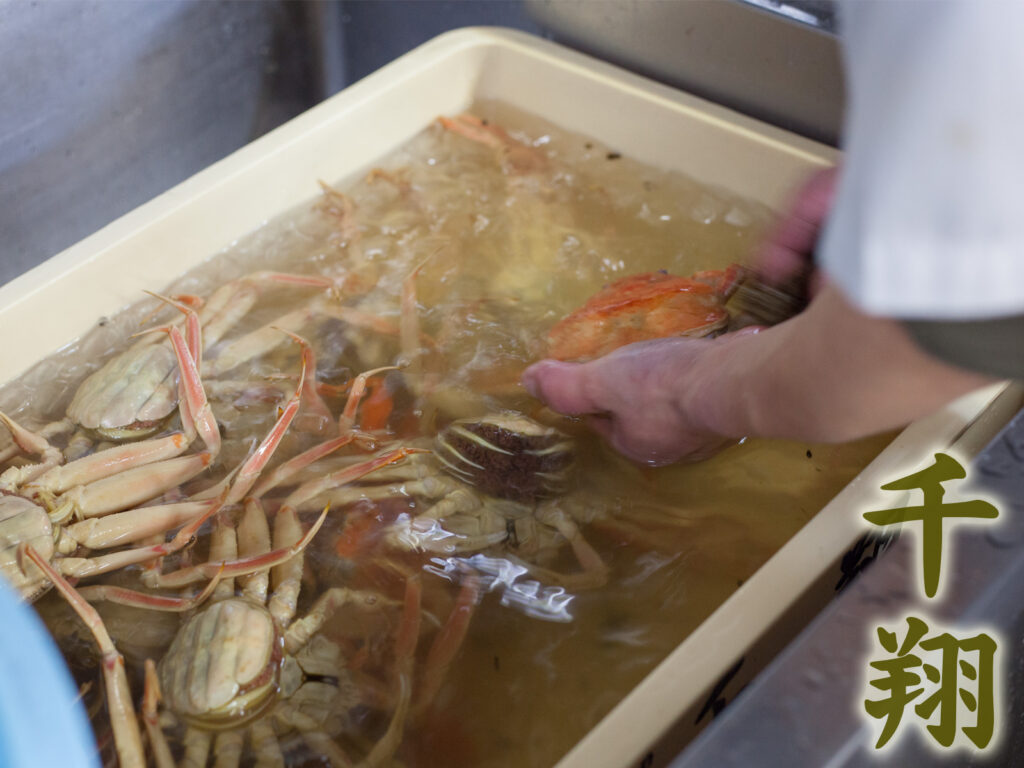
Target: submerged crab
x=501, y=480
x=641, y=307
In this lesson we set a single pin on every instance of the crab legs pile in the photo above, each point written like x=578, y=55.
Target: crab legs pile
x=243, y=665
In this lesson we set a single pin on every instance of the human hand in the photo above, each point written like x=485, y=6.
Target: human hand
x=637, y=397
x=786, y=253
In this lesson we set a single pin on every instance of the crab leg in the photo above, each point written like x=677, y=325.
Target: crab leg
x=109, y=462
x=32, y=443
x=448, y=641
x=133, y=487
x=286, y=578
x=265, y=745
x=199, y=513
x=253, y=466
x=309, y=389
x=317, y=486
x=348, y=416
x=151, y=698
x=197, y=748
x=410, y=322
x=475, y=129
x=191, y=386
x=194, y=343
x=240, y=567
x=302, y=630
x=224, y=548
x=405, y=649
x=127, y=737
x=288, y=469
x=232, y=301
x=131, y=526
x=227, y=749
x=254, y=537
x=317, y=740
x=264, y=339
x=53, y=429
x=258, y=342
x=595, y=570
x=431, y=487
x=124, y=596
x=284, y=472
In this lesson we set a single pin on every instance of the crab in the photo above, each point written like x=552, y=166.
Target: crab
x=652, y=305
x=243, y=665
x=498, y=482
x=103, y=487
x=38, y=500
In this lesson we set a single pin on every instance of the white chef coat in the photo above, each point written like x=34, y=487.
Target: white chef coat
x=928, y=222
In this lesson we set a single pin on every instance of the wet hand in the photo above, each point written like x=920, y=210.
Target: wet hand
x=636, y=397
x=788, y=249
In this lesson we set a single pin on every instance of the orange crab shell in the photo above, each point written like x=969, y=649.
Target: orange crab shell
x=653, y=305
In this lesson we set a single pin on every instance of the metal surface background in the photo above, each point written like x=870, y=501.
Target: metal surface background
x=108, y=103
x=741, y=55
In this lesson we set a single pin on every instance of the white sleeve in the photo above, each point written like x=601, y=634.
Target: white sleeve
x=929, y=216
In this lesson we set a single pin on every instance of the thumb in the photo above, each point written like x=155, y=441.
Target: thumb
x=563, y=386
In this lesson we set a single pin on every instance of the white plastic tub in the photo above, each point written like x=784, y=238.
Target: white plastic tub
x=146, y=249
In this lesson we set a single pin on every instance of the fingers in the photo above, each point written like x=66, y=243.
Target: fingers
x=788, y=247
x=566, y=387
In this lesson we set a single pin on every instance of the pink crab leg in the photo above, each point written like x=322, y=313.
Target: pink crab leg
x=189, y=300
x=410, y=323
x=194, y=342
x=127, y=527
x=151, y=697
x=127, y=737
x=475, y=129
x=243, y=566
x=53, y=429
x=348, y=415
x=193, y=331
x=32, y=443
x=359, y=318
x=264, y=339
x=232, y=301
x=314, y=487
x=110, y=462
x=192, y=387
x=258, y=342
x=134, y=486
x=448, y=641
x=122, y=596
x=253, y=466
x=288, y=469
x=308, y=383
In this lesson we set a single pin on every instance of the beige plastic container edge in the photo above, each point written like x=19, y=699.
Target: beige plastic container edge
x=149, y=247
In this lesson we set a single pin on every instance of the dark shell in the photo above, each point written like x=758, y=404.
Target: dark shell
x=507, y=455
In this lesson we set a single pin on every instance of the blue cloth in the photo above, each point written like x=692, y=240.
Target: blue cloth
x=42, y=723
